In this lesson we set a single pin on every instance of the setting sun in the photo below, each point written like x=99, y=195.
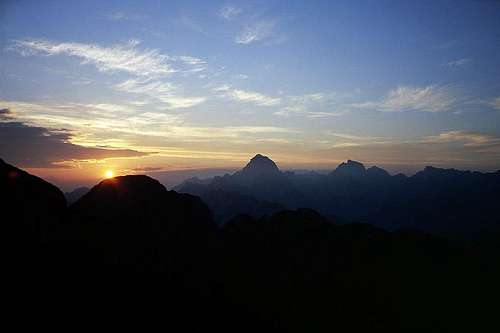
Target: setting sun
x=109, y=174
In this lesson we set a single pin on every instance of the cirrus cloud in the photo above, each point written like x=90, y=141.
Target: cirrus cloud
x=495, y=103
x=458, y=63
x=256, y=32
x=433, y=98
x=159, y=90
x=247, y=96
x=229, y=12
x=149, y=67
x=120, y=57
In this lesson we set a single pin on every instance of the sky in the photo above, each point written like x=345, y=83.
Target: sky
x=144, y=86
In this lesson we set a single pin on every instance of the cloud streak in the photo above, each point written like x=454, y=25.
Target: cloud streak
x=97, y=124
x=149, y=67
x=120, y=57
x=247, y=96
x=495, y=103
x=468, y=138
x=163, y=91
x=123, y=16
x=458, y=63
x=256, y=32
x=433, y=98
x=229, y=12
x=314, y=105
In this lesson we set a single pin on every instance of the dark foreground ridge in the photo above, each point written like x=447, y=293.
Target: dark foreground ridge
x=292, y=270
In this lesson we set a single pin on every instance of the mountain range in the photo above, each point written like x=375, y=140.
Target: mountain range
x=444, y=201
x=293, y=270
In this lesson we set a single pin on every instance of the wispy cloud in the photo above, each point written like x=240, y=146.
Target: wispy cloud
x=149, y=67
x=124, y=16
x=110, y=107
x=98, y=124
x=300, y=104
x=147, y=169
x=192, y=60
x=122, y=57
x=433, y=98
x=165, y=92
x=247, y=96
x=458, y=63
x=92, y=119
x=256, y=31
x=345, y=140
x=314, y=105
x=468, y=138
x=495, y=103
x=352, y=136
x=229, y=12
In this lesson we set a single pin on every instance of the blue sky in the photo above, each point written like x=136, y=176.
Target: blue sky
x=166, y=84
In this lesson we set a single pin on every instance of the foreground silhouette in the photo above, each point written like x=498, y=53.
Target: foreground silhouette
x=293, y=270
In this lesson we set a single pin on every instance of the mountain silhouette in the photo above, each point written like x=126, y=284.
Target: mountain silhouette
x=444, y=201
x=29, y=198
x=227, y=204
x=260, y=166
x=291, y=271
x=376, y=172
x=351, y=169
x=76, y=194
x=31, y=209
x=123, y=208
x=258, y=189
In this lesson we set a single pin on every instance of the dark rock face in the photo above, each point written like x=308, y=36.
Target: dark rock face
x=31, y=206
x=76, y=194
x=301, y=272
x=32, y=199
x=139, y=225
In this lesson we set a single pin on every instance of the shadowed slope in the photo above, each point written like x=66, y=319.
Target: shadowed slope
x=32, y=210
x=136, y=223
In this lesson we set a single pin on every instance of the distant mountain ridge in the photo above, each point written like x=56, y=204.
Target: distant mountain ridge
x=76, y=194
x=434, y=199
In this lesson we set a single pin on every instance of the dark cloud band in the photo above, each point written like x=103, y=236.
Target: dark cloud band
x=39, y=147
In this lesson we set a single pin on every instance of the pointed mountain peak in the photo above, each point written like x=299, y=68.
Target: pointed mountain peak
x=261, y=165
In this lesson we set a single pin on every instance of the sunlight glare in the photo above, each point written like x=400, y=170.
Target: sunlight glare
x=109, y=174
